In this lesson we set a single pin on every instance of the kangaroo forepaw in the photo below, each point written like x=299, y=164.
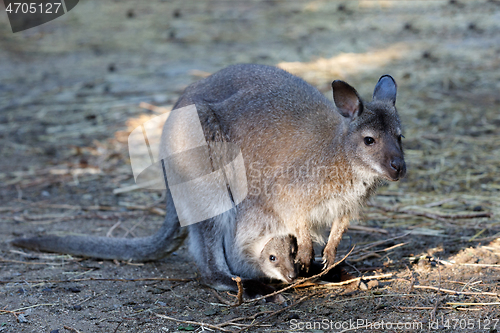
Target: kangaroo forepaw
x=303, y=259
x=329, y=257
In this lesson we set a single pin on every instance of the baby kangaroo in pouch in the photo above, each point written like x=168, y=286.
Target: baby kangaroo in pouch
x=310, y=164
x=277, y=258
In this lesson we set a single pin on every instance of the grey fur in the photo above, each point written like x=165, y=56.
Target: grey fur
x=284, y=127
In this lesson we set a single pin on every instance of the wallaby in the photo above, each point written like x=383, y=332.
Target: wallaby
x=310, y=163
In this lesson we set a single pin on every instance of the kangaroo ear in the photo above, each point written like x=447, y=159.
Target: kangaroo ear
x=346, y=99
x=386, y=89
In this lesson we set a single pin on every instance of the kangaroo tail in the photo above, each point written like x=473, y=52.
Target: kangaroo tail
x=154, y=247
x=165, y=241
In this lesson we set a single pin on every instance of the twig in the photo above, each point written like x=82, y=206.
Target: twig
x=423, y=307
x=15, y=313
x=434, y=216
x=433, y=312
x=252, y=317
x=48, y=256
x=10, y=209
x=239, y=296
x=372, y=296
x=477, y=235
x=154, y=108
x=336, y=284
x=198, y=73
x=37, y=217
x=477, y=265
x=430, y=308
x=110, y=231
x=454, y=292
x=392, y=247
x=369, y=246
x=412, y=281
x=375, y=254
x=275, y=313
x=111, y=216
x=60, y=206
x=370, y=254
x=19, y=192
x=367, y=229
x=33, y=306
x=150, y=208
x=219, y=326
x=31, y=263
x=134, y=187
x=301, y=281
x=467, y=284
x=220, y=298
x=215, y=327
x=129, y=231
x=102, y=279
x=438, y=203
x=486, y=238
x=468, y=304
x=71, y=329
x=117, y=327
x=353, y=267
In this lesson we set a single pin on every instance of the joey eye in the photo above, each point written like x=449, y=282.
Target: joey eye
x=272, y=258
x=369, y=140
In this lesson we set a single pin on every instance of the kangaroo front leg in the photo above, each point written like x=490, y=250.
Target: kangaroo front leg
x=339, y=225
x=305, y=250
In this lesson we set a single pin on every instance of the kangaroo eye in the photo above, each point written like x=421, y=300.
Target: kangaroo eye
x=272, y=258
x=369, y=140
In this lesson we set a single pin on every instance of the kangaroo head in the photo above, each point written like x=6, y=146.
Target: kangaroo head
x=372, y=138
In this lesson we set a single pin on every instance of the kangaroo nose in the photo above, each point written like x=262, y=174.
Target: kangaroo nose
x=398, y=165
x=292, y=275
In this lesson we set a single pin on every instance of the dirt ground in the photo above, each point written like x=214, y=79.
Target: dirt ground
x=69, y=96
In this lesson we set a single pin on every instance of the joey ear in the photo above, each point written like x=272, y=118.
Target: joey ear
x=346, y=99
x=265, y=244
x=293, y=241
x=386, y=89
